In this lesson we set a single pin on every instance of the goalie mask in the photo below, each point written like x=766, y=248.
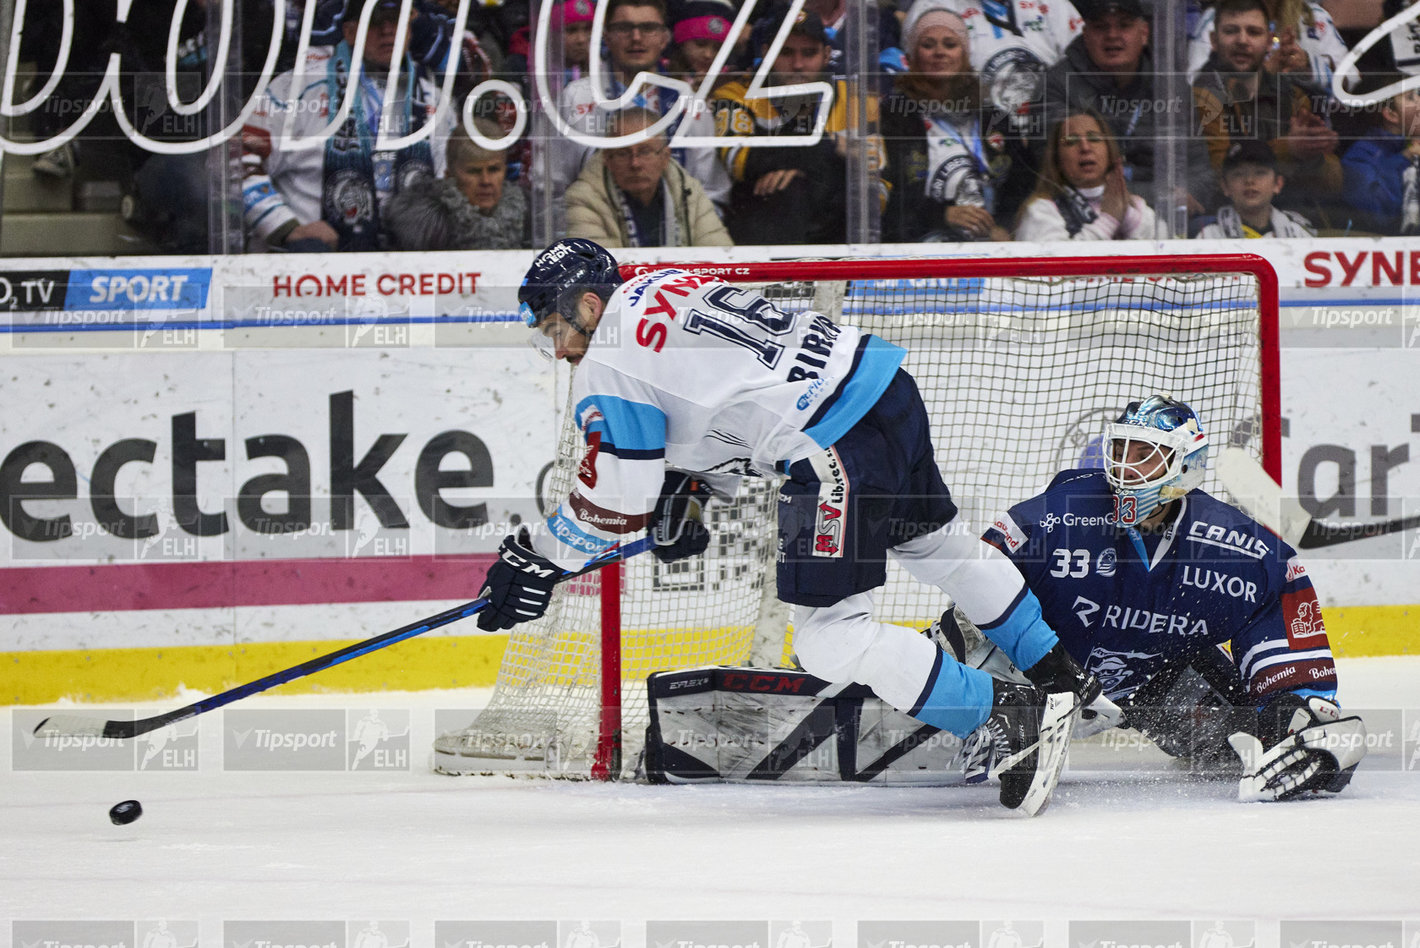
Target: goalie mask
x=556, y=281
x=1154, y=453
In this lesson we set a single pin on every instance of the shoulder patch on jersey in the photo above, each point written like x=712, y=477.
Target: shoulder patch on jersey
x=1010, y=532
x=1228, y=538
x=1295, y=569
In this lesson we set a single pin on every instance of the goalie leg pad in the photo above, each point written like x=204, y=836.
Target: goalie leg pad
x=757, y=724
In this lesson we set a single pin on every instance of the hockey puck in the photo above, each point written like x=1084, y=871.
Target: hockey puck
x=126, y=812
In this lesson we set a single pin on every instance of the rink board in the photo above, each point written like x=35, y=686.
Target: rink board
x=216, y=388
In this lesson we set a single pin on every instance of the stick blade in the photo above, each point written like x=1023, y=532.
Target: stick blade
x=71, y=725
x=1258, y=494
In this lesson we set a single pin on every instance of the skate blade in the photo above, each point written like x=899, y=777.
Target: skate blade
x=1061, y=712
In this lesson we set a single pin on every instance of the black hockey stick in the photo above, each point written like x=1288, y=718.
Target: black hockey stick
x=78, y=725
x=1252, y=488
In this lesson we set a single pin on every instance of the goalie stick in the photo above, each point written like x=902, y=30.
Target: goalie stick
x=1260, y=495
x=79, y=725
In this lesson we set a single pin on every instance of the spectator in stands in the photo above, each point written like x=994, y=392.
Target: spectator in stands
x=1012, y=43
x=1250, y=181
x=943, y=165
x=474, y=208
x=1235, y=97
x=1309, y=46
x=1383, y=169
x=1109, y=69
x=702, y=27
x=332, y=198
x=639, y=196
x=636, y=37
x=791, y=194
x=1082, y=194
x=574, y=19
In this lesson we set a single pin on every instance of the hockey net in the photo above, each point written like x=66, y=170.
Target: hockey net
x=1020, y=363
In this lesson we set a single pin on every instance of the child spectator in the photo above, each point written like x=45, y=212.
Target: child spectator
x=1081, y=194
x=1382, y=169
x=1250, y=181
x=701, y=28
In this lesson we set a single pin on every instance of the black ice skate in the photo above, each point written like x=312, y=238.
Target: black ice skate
x=1030, y=736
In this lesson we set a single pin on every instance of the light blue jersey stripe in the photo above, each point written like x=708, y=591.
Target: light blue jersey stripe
x=870, y=379
x=624, y=424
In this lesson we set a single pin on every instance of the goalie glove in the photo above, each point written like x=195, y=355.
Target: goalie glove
x=676, y=523
x=518, y=586
x=1303, y=743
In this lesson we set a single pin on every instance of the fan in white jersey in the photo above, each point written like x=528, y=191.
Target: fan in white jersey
x=683, y=385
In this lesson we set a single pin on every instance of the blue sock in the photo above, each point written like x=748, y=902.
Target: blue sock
x=956, y=698
x=1021, y=631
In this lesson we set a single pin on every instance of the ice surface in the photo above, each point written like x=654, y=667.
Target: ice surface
x=1146, y=842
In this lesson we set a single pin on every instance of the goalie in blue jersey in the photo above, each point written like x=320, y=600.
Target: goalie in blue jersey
x=685, y=384
x=1200, y=623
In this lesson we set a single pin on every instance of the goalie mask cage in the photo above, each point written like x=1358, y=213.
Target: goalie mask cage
x=1020, y=363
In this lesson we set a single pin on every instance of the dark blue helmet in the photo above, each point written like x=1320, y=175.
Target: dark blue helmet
x=560, y=274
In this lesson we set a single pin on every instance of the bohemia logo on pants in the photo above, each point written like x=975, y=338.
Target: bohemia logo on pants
x=832, y=502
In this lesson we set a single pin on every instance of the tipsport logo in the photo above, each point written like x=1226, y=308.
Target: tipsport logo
x=127, y=933
x=916, y=933
x=1128, y=933
x=323, y=739
x=460, y=933
x=176, y=747
x=1355, y=933
x=707, y=934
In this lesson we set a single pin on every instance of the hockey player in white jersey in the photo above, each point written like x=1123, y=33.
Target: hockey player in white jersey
x=684, y=381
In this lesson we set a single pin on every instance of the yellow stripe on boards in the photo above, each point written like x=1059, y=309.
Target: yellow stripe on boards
x=143, y=674
x=1370, y=631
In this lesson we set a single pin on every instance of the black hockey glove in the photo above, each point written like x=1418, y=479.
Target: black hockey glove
x=1302, y=743
x=518, y=586
x=675, y=522
x=1057, y=671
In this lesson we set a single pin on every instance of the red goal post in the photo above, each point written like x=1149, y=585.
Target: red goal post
x=1018, y=359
